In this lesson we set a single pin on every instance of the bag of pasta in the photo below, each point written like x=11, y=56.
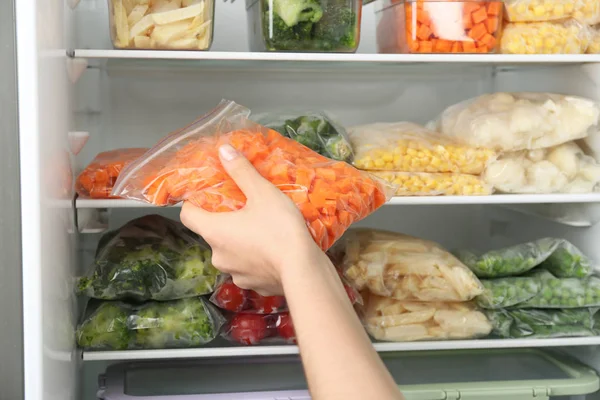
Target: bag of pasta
x=402, y=321
x=519, y=121
x=185, y=166
x=406, y=268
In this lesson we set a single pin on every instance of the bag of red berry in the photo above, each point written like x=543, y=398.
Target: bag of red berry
x=253, y=329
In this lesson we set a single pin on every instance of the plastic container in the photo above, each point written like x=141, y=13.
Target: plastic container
x=165, y=25
x=318, y=26
x=423, y=26
x=523, y=374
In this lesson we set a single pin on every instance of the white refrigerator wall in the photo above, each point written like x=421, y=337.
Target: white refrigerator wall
x=135, y=103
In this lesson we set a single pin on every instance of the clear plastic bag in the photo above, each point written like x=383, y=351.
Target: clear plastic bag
x=594, y=46
x=507, y=292
x=182, y=323
x=558, y=256
x=562, y=37
x=431, y=184
x=97, y=179
x=543, y=323
x=586, y=11
x=564, y=292
x=519, y=121
x=559, y=169
x=402, y=321
x=253, y=329
x=316, y=130
x=406, y=268
x=151, y=257
x=407, y=147
x=185, y=166
x=232, y=298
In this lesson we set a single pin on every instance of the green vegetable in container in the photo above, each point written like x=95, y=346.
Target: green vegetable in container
x=105, y=328
x=190, y=322
x=535, y=323
x=315, y=130
x=325, y=25
x=150, y=258
x=182, y=323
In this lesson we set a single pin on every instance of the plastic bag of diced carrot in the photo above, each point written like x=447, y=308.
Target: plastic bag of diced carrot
x=97, y=179
x=185, y=166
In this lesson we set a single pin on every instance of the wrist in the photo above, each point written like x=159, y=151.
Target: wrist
x=306, y=259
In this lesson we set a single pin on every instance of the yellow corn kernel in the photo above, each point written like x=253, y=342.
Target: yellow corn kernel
x=435, y=184
x=568, y=37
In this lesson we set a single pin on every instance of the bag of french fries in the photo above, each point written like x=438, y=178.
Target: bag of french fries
x=404, y=321
x=405, y=268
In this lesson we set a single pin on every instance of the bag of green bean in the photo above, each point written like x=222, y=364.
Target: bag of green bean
x=557, y=255
x=535, y=323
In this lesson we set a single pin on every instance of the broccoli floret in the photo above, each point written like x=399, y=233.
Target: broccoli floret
x=337, y=28
x=338, y=148
x=279, y=36
x=181, y=323
x=105, y=329
x=293, y=12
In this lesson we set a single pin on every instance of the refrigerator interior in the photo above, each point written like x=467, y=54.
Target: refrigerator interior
x=134, y=102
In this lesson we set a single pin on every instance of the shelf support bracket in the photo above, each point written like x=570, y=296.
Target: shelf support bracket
x=75, y=68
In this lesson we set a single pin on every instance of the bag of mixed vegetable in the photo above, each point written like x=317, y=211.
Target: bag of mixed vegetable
x=182, y=323
x=315, y=130
x=534, y=323
x=150, y=258
x=305, y=25
x=558, y=256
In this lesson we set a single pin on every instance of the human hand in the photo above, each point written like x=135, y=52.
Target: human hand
x=252, y=244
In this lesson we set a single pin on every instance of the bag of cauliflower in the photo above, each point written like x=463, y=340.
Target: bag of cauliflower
x=403, y=321
x=519, y=121
x=559, y=169
x=406, y=268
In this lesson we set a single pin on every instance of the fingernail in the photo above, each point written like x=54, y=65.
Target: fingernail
x=227, y=152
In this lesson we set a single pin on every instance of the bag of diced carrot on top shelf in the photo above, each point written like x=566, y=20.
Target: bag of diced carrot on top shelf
x=97, y=179
x=185, y=166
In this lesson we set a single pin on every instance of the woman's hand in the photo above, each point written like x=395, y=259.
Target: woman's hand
x=252, y=244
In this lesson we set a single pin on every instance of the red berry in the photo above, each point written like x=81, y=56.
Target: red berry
x=248, y=329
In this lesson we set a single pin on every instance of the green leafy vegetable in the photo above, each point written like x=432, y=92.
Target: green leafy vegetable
x=150, y=258
x=325, y=25
x=105, y=329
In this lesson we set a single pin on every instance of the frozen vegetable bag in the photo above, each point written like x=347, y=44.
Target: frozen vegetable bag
x=405, y=268
x=185, y=166
x=182, y=323
x=151, y=257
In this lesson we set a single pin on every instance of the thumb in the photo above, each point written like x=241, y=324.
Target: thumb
x=242, y=171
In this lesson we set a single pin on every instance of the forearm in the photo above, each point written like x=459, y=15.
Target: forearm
x=338, y=357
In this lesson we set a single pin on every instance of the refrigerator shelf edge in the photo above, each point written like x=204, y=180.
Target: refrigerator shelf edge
x=240, y=351
x=335, y=57
x=416, y=200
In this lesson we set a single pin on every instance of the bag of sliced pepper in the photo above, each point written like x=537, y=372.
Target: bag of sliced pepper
x=150, y=258
x=185, y=166
x=230, y=297
x=97, y=179
x=253, y=329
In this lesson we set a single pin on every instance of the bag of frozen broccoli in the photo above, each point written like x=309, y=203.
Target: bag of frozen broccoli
x=316, y=130
x=535, y=323
x=150, y=258
x=556, y=255
x=181, y=323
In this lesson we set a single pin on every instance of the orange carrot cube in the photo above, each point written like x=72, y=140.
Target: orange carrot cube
x=425, y=47
x=492, y=24
x=479, y=15
x=478, y=31
x=494, y=8
x=423, y=32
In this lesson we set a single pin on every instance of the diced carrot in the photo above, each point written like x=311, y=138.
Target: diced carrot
x=469, y=47
x=423, y=32
x=494, y=8
x=478, y=31
x=327, y=174
x=467, y=21
x=469, y=7
x=483, y=49
x=479, y=15
x=457, y=47
x=413, y=45
x=423, y=17
x=442, y=46
x=425, y=47
x=488, y=40
x=492, y=24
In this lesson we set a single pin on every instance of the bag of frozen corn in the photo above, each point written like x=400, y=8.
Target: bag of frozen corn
x=432, y=184
x=403, y=321
x=407, y=147
x=561, y=37
x=586, y=11
x=405, y=268
x=594, y=45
